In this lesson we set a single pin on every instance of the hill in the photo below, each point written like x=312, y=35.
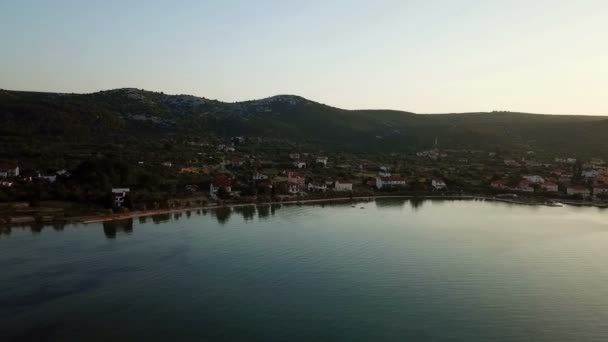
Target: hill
x=33, y=120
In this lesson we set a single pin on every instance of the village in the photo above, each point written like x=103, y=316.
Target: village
x=239, y=171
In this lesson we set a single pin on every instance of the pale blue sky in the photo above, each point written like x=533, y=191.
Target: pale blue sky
x=548, y=56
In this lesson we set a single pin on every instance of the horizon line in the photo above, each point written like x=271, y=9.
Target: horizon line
x=267, y=97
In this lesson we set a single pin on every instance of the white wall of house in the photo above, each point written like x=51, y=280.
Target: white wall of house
x=343, y=186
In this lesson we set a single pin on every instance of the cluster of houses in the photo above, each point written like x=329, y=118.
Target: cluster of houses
x=9, y=173
x=592, y=182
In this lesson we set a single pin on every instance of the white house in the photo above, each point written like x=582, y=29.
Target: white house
x=549, y=186
x=389, y=182
x=8, y=171
x=167, y=164
x=385, y=171
x=578, y=190
x=6, y=184
x=343, y=186
x=294, y=156
x=536, y=179
x=322, y=160
x=259, y=176
x=299, y=164
x=119, y=195
x=525, y=186
x=590, y=173
x=438, y=184
x=317, y=187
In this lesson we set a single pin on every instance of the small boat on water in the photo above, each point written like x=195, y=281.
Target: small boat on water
x=554, y=204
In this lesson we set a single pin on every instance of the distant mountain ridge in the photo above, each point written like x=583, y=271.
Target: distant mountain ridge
x=113, y=114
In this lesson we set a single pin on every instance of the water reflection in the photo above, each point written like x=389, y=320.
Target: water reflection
x=111, y=228
x=247, y=212
x=390, y=203
x=222, y=215
x=161, y=218
x=263, y=211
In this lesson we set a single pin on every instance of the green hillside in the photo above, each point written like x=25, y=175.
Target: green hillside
x=29, y=120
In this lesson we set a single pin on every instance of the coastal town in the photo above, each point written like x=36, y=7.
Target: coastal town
x=244, y=170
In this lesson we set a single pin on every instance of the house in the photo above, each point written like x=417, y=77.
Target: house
x=119, y=195
x=525, y=186
x=574, y=190
x=192, y=187
x=6, y=184
x=342, y=185
x=167, y=164
x=438, y=184
x=286, y=187
x=295, y=182
x=316, y=187
x=535, y=179
x=8, y=171
x=322, y=160
x=385, y=171
x=295, y=178
x=294, y=156
x=511, y=162
x=590, y=173
x=549, y=186
x=390, y=182
x=220, y=182
x=299, y=164
x=600, y=189
x=565, y=160
x=499, y=184
x=259, y=176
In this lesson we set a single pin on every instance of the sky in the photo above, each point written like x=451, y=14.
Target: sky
x=431, y=56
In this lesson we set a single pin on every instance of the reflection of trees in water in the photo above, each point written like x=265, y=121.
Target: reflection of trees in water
x=58, y=226
x=390, y=202
x=417, y=203
x=247, y=211
x=142, y=219
x=222, y=214
x=111, y=228
x=160, y=218
x=36, y=228
x=177, y=216
x=198, y=212
x=5, y=230
x=188, y=214
x=274, y=208
x=263, y=211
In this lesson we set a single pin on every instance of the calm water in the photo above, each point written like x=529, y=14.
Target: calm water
x=395, y=271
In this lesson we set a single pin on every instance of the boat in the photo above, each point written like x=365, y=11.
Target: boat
x=554, y=204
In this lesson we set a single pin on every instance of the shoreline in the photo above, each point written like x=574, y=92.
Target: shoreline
x=137, y=214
